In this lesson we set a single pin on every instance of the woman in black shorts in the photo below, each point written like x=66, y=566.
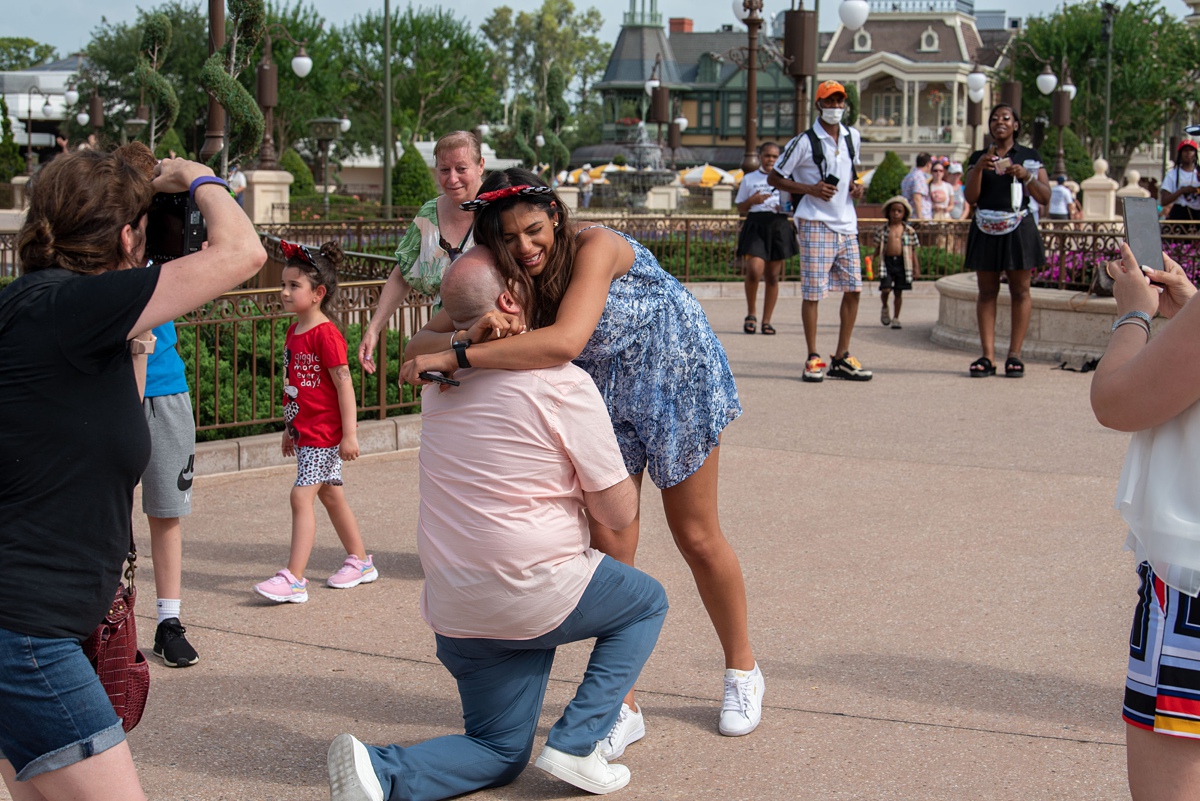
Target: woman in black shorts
x=767, y=237
x=1000, y=182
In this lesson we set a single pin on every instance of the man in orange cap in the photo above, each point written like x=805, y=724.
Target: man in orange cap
x=818, y=168
x=1181, y=184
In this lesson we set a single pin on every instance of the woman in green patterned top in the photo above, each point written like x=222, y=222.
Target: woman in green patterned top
x=440, y=232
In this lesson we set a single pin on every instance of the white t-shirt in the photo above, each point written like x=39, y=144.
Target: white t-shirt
x=1178, y=178
x=502, y=535
x=754, y=183
x=796, y=163
x=1060, y=199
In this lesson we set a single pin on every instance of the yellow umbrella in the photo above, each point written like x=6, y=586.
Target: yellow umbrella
x=705, y=175
x=598, y=172
x=737, y=175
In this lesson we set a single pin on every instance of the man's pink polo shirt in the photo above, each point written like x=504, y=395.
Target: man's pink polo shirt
x=502, y=534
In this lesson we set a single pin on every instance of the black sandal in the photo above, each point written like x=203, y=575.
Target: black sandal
x=1014, y=367
x=767, y=328
x=748, y=326
x=982, y=367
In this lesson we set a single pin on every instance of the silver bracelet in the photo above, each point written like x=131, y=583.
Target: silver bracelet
x=1136, y=314
x=1140, y=323
x=454, y=336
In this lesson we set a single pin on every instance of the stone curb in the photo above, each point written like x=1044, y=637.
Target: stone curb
x=252, y=453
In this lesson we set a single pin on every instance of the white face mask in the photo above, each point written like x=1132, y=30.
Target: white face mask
x=833, y=116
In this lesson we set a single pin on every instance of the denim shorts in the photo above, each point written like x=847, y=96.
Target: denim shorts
x=53, y=710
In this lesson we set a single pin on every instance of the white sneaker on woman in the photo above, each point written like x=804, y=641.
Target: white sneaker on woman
x=742, y=709
x=629, y=728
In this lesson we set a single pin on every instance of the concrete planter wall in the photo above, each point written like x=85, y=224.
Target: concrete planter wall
x=1064, y=325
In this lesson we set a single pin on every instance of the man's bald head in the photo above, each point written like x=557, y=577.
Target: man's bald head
x=471, y=287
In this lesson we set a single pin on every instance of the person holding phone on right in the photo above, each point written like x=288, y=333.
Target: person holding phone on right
x=1000, y=183
x=1181, y=185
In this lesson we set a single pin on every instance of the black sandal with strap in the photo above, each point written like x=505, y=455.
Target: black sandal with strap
x=749, y=326
x=768, y=329
x=982, y=367
x=1014, y=367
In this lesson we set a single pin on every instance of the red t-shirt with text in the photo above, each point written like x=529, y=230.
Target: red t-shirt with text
x=310, y=402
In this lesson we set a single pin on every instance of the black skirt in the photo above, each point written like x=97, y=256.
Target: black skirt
x=768, y=236
x=1020, y=250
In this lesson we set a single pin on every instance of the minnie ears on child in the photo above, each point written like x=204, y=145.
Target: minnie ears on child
x=301, y=252
x=488, y=198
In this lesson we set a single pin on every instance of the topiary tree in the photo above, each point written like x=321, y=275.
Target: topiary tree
x=303, y=182
x=412, y=183
x=244, y=28
x=1079, y=163
x=11, y=163
x=156, y=38
x=886, y=181
x=852, y=104
x=170, y=141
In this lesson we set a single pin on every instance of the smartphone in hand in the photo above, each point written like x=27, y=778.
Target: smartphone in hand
x=1142, y=231
x=832, y=180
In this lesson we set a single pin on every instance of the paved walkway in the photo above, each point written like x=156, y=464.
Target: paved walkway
x=938, y=599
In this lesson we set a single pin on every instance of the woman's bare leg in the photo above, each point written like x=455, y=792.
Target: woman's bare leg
x=1162, y=767
x=691, y=509
x=107, y=776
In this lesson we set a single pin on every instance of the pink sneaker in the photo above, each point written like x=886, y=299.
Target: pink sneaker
x=284, y=588
x=354, y=572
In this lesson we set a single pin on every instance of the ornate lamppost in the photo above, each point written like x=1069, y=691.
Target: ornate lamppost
x=326, y=130
x=47, y=110
x=750, y=12
x=268, y=90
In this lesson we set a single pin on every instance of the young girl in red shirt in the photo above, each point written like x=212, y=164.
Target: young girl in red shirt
x=321, y=418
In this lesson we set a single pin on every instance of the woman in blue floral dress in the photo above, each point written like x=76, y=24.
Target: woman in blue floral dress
x=599, y=298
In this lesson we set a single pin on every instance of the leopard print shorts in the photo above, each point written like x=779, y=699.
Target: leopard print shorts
x=318, y=466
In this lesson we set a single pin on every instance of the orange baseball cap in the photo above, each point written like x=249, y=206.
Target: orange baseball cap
x=828, y=88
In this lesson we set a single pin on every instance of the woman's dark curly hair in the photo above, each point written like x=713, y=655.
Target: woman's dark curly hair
x=540, y=295
x=78, y=205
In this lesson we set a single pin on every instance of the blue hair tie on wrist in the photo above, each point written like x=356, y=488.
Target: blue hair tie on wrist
x=205, y=179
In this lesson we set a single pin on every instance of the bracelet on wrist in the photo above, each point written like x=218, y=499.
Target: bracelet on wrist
x=1137, y=323
x=1136, y=314
x=205, y=179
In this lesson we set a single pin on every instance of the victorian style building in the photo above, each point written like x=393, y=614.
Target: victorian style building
x=909, y=64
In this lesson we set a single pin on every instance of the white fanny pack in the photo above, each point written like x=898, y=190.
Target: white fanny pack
x=998, y=223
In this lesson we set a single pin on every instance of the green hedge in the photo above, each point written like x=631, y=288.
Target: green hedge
x=237, y=342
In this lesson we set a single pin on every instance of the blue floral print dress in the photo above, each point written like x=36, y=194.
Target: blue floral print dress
x=662, y=372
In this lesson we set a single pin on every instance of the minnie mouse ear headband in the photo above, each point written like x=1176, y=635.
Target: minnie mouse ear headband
x=301, y=252
x=487, y=198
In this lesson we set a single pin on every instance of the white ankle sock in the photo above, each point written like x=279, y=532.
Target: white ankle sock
x=167, y=608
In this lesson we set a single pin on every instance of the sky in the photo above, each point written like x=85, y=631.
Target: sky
x=67, y=24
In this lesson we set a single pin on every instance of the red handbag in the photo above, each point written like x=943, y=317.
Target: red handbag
x=113, y=651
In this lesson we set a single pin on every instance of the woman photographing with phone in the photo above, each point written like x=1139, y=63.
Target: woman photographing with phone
x=599, y=298
x=1150, y=386
x=1000, y=183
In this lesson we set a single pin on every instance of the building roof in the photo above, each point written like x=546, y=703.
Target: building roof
x=633, y=58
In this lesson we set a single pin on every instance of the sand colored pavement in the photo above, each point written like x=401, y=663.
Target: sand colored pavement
x=938, y=599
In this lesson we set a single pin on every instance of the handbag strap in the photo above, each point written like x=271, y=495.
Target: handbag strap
x=131, y=557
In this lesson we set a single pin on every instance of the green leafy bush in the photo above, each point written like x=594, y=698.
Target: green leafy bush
x=852, y=105
x=255, y=349
x=11, y=163
x=303, y=183
x=886, y=181
x=412, y=183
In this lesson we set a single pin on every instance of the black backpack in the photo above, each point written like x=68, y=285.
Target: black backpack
x=818, y=152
